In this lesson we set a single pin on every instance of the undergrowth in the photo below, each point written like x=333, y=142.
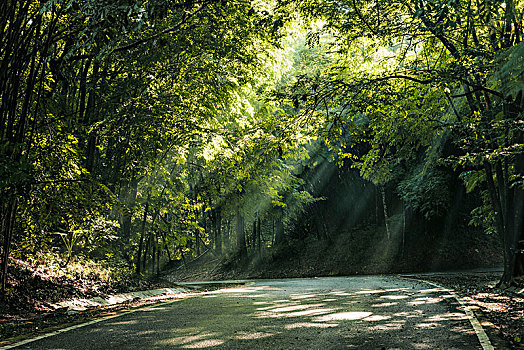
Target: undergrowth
x=79, y=267
x=38, y=281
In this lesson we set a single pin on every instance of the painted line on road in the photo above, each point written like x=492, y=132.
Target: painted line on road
x=475, y=323
x=63, y=330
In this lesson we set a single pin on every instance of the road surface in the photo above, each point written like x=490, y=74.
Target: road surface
x=368, y=312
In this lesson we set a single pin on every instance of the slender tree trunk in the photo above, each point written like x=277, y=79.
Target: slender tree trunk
x=248, y=239
x=166, y=248
x=129, y=199
x=142, y=235
x=8, y=220
x=517, y=261
x=403, y=228
x=218, y=233
x=204, y=225
x=384, y=206
x=241, y=237
x=272, y=231
x=159, y=252
x=377, y=216
x=197, y=241
x=153, y=258
x=254, y=234
x=499, y=222
x=279, y=226
x=516, y=226
x=146, y=252
x=228, y=227
x=258, y=236
x=182, y=255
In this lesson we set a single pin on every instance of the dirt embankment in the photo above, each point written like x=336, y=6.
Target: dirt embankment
x=365, y=250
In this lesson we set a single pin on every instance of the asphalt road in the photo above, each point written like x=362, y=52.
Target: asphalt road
x=368, y=312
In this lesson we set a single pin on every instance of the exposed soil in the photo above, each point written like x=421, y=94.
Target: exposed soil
x=363, y=251
x=32, y=289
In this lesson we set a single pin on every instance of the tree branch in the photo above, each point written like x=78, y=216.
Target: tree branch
x=485, y=89
x=59, y=181
x=427, y=81
x=407, y=77
x=132, y=45
x=465, y=94
x=362, y=18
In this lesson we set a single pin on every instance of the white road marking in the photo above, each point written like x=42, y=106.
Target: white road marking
x=477, y=327
x=63, y=330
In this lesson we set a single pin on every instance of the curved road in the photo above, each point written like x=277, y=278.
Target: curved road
x=369, y=312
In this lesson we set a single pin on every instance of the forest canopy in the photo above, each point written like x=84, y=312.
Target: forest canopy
x=143, y=133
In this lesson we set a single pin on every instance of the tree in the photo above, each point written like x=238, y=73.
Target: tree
x=414, y=70
x=95, y=95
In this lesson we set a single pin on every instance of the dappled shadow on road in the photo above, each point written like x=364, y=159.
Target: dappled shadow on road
x=268, y=316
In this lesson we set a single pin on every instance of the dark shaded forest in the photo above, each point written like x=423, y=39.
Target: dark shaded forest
x=140, y=136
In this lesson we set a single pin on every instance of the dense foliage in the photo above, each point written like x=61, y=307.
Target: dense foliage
x=427, y=86
x=147, y=132
x=124, y=122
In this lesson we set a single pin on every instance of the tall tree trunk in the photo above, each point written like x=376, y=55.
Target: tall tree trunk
x=377, y=216
x=403, y=228
x=142, y=235
x=385, y=208
x=218, y=231
x=166, y=248
x=240, y=235
x=517, y=225
x=272, y=231
x=279, y=226
x=258, y=236
x=499, y=222
x=197, y=241
x=153, y=258
x=8, y=220
x=129, y=197
x=151, y=242
x=182, y=255
x=517, y=261
x=158, y=253
x=146, y=252
x=254, y=234
x=228, y=230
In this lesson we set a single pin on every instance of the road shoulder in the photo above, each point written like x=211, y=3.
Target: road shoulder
x=499, y=312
